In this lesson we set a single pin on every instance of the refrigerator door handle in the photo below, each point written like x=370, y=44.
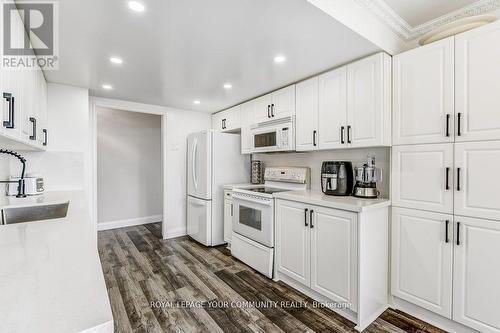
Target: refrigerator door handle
x=193, y=161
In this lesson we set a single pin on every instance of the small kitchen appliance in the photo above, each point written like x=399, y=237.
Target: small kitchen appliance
x=336, y=178
x=367, y=177
x=273, y=135
x=33, y=185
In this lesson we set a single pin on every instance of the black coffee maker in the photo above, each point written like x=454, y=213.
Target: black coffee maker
x=337, y=178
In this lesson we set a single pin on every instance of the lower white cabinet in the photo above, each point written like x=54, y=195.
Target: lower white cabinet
x=448, y=265
x=476, y=274
x=228, y=216
x=335, y=255
x=293, y=241
x=422, y=258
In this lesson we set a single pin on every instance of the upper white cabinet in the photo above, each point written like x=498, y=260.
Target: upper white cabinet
x=422, y=177
x=247, y=116
x=369, y=101
x=424, y=94
x=476, y=290
x=477, y=84
x=307, y=115
x=278, y=104
x=347, y=107
x=422, y=259
x=476, y=181
x=228, y=120
x=24, y=101
x=332, y=109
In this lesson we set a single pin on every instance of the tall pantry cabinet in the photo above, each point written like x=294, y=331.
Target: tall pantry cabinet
x=446, y=207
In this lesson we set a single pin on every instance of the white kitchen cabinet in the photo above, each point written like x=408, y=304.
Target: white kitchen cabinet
x=422, y=177
x=476, y=180
x=332, y=111
x=278, y=104
x=477, y=83
x=422, y=259
x=227, y=120
x=293, y=241
x=424, y=94
x=369, y=101
x=307, y=115
x=228, y=216
x=334, y=254
x=247, y=112
x=476, y=291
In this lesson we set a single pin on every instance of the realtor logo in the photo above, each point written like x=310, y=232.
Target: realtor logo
x=30, y=35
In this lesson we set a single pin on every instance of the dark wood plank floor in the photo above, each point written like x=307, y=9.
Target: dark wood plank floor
x=141, y=268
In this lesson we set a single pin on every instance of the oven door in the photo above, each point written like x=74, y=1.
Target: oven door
x=254, y=217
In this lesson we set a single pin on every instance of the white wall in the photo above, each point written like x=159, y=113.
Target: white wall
x=65, y=164
x=180, y=123
x=314, y=160
x=129, y=190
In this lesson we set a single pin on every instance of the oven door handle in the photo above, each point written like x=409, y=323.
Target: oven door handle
x=237, y=196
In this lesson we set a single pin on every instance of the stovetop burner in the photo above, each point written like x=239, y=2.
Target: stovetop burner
x=268, y=190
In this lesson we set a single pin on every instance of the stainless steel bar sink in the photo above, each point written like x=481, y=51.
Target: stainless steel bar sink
x=12, y=215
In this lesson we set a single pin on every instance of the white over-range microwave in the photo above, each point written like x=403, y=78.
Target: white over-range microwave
x=273, y=135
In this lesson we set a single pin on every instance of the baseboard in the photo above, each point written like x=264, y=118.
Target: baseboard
x=129, y=222
x=177, y=232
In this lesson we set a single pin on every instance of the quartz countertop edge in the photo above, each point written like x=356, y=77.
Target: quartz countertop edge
x=348, y=203
x=51, y=279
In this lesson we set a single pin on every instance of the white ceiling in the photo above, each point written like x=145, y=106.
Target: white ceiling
x=178, y=51
x=419, y=12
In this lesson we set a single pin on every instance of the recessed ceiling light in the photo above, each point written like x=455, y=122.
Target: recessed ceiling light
x=136, y=6
x=116, y=60
x=279, y=59
x=196, y=102
x=228, y=85
x=107, y=86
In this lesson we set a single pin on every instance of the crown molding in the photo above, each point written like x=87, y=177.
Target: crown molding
x=398, y=25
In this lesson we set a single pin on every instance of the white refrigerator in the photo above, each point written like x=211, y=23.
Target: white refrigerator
x=214, y=159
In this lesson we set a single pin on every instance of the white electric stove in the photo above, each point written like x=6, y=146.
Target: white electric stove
x=253, y=217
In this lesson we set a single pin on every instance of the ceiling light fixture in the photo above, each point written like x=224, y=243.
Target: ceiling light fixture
x=196, y=102
x=136, y=6
x=228, y=85
x=107, y=86
x=279, y=59
x=116, y=60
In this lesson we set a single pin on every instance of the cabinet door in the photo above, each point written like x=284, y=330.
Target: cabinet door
x=424, y=94
x=283, y=102
x=307, y=115
x=262, y=108
x=218, y=121
x=476, y=273
x=334, y=254
x=368, y=101
x=422, y=177
x=247, y=120
x=477, y=181
x=293, y=245
x=228, y=220
x=477, y=83
x=43, y=116
x=422, y=259
x=332, y=116
x=233, y=119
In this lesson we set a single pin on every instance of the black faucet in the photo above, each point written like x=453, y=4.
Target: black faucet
x=20, y=187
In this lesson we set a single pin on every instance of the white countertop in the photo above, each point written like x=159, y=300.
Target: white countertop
x=51, y=278
x=344, y=203
x=243, y=185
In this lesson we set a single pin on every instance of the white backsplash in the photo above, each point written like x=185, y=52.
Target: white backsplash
x=314, y=160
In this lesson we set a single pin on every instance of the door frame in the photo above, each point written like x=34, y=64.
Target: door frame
x=97, y=102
